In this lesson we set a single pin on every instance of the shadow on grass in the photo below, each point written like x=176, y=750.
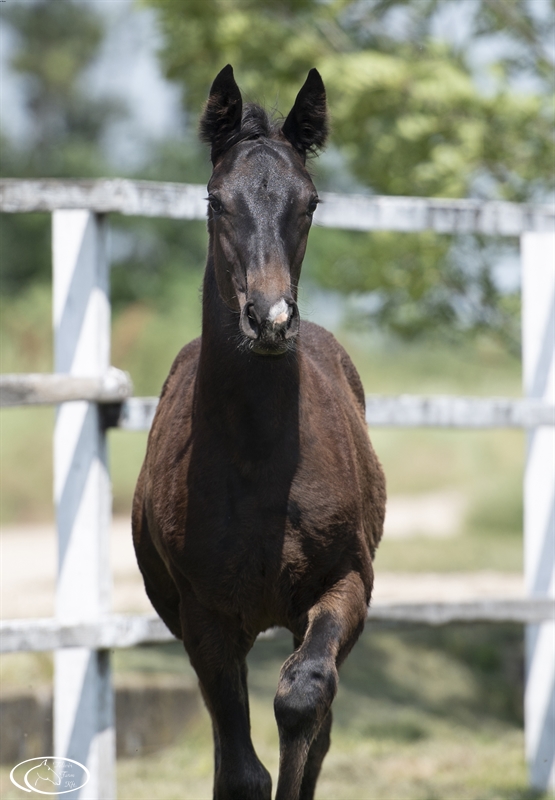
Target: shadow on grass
x=400, y=665
x=521, y=794
x=467, y=674
x=504, y=794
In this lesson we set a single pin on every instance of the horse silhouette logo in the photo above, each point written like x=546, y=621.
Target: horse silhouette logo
x=49, y=775
x=42, y=772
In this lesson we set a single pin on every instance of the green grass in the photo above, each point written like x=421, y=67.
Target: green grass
x=26, y=465
x=432, y=365
x=421, y=714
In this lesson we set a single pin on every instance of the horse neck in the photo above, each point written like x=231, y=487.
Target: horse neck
x=247, y=397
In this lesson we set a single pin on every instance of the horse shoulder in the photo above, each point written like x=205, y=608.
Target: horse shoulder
x=155, y=495
x=324, y=350
x=184, y=367
x=344, y=438
x=169, y=439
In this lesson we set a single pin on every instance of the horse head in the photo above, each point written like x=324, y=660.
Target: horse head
x=45, y=772
x=261, y=201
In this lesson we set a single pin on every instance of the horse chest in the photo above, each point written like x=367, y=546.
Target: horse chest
x=253, y=537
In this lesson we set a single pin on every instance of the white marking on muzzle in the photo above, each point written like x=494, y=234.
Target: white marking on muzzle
x=279, y=313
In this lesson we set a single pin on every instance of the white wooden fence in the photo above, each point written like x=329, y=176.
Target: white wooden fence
x=84, y=630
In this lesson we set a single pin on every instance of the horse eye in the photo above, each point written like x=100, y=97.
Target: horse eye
x=215, y=204
x=312, y=206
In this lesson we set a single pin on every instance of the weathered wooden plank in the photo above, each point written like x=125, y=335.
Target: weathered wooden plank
x=448, y=411
x=137, y=413
x=411, y=214
x=118, y=195
x=350, y=212
x=111, y=632
x=40, y=389
x=409, y=411
x=120, y=631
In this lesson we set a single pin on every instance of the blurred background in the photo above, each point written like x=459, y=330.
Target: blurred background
x=446, y=98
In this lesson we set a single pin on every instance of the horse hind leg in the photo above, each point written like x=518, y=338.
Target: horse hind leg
x=308, y=684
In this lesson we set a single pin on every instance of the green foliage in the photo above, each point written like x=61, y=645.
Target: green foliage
x=421, y=713
x=57, y=42
x=25, y=251
x=159, y=251
x=416, y=124
x=407, y=114
x=408, y=118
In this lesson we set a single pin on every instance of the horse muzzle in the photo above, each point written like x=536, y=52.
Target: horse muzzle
x=270, y=327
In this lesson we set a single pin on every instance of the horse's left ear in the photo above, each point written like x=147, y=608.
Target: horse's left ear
x=306, y=126
x=221, y=118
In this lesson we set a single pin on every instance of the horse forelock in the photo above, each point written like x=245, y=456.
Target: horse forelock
x=256, y=123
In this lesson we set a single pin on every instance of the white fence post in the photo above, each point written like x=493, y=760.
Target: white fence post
x=538, y=336
x=83, y=705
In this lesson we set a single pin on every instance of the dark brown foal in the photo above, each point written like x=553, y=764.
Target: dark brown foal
x=261, y=501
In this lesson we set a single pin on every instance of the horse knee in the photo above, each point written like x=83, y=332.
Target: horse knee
x=305, y=693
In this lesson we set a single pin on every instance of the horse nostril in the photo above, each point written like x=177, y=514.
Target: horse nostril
x=293, y=320
x=250, y=322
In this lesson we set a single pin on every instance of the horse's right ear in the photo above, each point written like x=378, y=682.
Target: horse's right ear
x=221, y=118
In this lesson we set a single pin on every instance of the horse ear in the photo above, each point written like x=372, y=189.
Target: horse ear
x=306, y=126
x=222, y=114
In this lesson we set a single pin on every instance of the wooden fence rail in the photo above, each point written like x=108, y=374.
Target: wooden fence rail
x=40, y=389
x=84, y=629
x=128, y=630
x=349, y=212
x=401, y=411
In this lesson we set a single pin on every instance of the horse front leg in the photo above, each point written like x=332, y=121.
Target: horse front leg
x=316, y=752
x=217, y=649
x=308, y=684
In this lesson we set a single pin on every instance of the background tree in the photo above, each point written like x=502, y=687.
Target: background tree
x=413, y=113
x=411, y=116
x=56, y=42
